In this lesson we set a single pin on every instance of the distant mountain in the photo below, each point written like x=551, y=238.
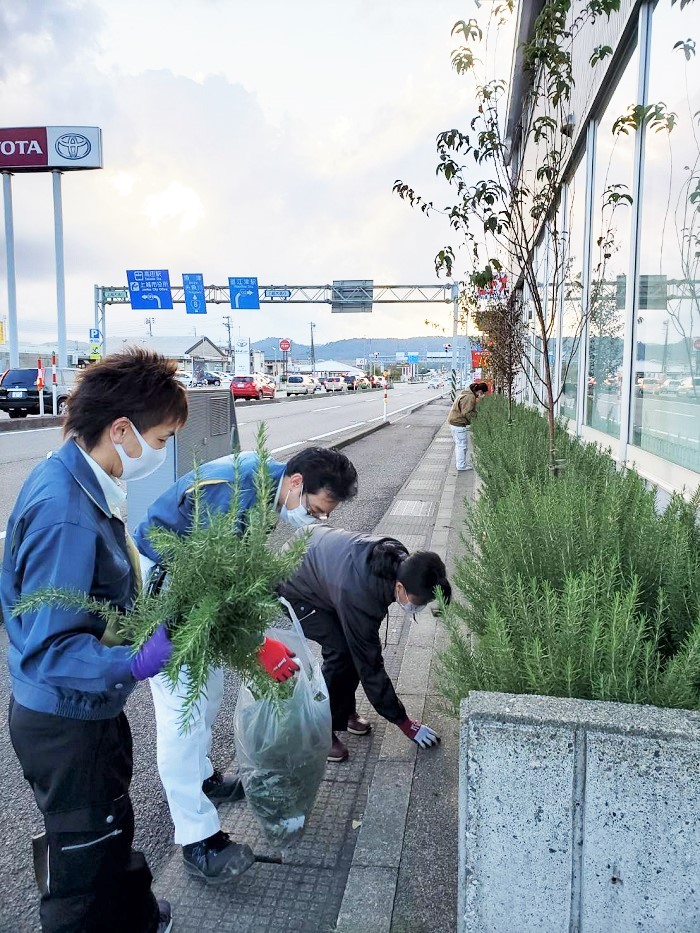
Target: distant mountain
x=356, y=348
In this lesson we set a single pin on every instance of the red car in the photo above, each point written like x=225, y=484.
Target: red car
x=254, y=386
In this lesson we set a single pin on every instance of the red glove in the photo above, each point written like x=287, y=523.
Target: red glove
x=276, y=657
x=419, y=733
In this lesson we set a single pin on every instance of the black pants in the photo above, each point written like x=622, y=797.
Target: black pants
x=91, y=881
x=339, y=669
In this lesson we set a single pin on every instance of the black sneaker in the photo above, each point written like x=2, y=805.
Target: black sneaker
x=220, y=787
x=165, y=917
x=217, y=860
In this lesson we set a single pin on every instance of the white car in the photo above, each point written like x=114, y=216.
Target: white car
x=318, y=386
x=187, y=379
x=299, y=385
x=335, y=384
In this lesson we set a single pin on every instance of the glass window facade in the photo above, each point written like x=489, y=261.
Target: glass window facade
x=572, y=314
x=610, y=257
x=666, y=385
x=637, y=214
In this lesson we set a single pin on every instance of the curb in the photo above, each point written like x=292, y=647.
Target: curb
x=377, y=855
x=38, y=421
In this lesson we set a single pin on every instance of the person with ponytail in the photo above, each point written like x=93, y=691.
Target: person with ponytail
x=341, y=594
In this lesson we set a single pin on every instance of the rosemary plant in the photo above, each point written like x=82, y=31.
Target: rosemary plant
x=220, y=594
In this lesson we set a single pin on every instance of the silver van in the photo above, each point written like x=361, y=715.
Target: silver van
x=299, y=385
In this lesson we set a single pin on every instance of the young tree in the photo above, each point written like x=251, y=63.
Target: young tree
x=505, y=214
x=500, y=320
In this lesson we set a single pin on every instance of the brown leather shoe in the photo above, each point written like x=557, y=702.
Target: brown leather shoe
x=338, y=752
x=357, y=725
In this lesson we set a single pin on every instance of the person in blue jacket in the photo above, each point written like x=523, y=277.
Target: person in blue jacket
x=71, y=677
x=308, y=487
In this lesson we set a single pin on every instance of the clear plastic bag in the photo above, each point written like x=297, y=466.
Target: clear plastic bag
x=282, y=745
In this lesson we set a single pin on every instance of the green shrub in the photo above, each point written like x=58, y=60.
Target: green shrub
x=591, y=639
x=535, y=535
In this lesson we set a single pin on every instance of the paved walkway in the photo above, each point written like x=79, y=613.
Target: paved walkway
x=379, y=854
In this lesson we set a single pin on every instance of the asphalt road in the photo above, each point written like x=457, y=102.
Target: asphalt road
x=290, y=423
x=384, y=460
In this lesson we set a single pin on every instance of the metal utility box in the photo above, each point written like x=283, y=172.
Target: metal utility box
x=211, y=432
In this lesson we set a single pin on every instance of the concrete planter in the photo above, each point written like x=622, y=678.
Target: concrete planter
x=577, y=817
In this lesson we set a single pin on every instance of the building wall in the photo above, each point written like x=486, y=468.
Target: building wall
x=631, y=380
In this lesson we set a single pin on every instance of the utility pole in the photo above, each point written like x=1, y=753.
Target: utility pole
x=313, y=352
x=227, y=324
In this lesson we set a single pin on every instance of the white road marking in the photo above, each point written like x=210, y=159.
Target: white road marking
x=347, y=427
x=2, y=534
x=276, y=450
x=29, y=431
x=327, y=408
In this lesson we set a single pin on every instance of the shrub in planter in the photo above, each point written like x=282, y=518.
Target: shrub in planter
x=545, y=534
x=590, y=639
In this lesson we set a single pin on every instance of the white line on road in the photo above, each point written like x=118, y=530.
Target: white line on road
x=2, y=535
x=347, y=427
x=276, y=450
x=30, y=431
x=326, y=408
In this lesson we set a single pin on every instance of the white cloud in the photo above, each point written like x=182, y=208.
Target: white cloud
x=239, y=139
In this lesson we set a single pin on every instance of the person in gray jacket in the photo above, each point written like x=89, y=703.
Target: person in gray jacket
x=341, y=594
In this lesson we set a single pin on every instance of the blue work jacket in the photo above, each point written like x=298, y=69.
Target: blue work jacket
x=62, y=533
x=173, y=510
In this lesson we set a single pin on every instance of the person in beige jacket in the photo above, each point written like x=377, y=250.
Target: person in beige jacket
x=461, y=415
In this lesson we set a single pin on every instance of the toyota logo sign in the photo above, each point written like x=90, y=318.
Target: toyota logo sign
x=45, y=148
x=73, y=146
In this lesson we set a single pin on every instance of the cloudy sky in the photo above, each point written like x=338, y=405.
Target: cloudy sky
x=240, y=138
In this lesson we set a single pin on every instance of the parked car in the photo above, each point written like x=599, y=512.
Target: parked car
x=207, y=378
x=225, y=378
x=669, y=386
x=255, y=386
x=689, y=387
x=187, y=379
x=350, y=382
x=363, y=383
x=299, y=385
x=19, y=395
x=335, y=384
x=649, y=385
x=318, y=386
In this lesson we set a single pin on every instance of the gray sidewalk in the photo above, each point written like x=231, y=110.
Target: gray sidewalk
x=379, y=853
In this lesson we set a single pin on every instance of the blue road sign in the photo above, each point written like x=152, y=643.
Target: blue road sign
x=149, y=289
x=244, y=294
x=94, y=333
x=413, y=357
x=193, y=287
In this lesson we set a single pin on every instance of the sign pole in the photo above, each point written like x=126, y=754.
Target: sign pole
x=54, y=387
x=385, y=398
x=40, y=385
x=11, y=278
x=60, y=270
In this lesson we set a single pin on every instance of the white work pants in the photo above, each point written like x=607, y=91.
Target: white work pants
x=461, y=438
x=183, y=758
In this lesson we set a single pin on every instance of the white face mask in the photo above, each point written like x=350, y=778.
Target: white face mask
x=146, y=463
x=409, y=608
x=298, y=517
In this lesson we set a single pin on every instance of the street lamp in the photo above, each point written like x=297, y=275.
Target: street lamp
x=313, y=352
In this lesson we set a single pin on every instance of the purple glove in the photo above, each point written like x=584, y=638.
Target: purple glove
x=153, y=655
